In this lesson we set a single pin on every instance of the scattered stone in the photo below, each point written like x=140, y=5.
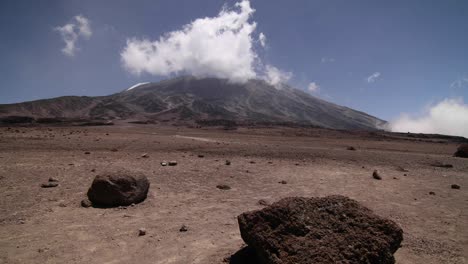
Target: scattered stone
x=399, y=168
x=405, y=174
x=118, y=189
x=172, y=163
x=49, y=185
x=223, y=187
x=283, y=182
x=333, y=229
x=87, y=153
x=145, y=155
x=93, y=170
x=431, y=193
x=455, y=186
x=395, y=178
x=376, y=175
x=263, y=202
x=228, y=162
x=86, y=203
x=141, y=232
x=183, y=228
x=62, y=204
x=52, y=179
x=441, y=165
x=351, y=148
x=252, y=162
x=114, y=150
x=163, y=163
x=462, y=151
x=201, y=156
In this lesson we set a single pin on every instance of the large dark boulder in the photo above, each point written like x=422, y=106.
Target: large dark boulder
x=118, y=189
x=333, y=229
x=462, y=151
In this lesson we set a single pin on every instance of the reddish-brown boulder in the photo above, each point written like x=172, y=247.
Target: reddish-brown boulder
x=333, y=229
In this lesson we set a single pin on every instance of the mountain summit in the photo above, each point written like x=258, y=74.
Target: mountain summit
x=190, y=98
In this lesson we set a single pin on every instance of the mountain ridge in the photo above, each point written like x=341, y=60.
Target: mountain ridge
x=187, y=99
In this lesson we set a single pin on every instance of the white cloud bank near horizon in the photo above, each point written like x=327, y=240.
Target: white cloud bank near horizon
x=220, y=46
x=448, y=117
x=71, y=32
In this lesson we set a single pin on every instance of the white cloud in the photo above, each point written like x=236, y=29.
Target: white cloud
x=327, y=60
x=220, y=46
x=71, y=32
x=275, y=76
x=459, y=83
x=262, y=39
x=313, y=87
x=373, y=77
x=449, y=117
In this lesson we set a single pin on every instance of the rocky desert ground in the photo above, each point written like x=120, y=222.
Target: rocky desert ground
x=187, y=219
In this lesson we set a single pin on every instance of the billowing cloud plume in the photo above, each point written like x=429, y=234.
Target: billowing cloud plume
x=373, y=77
x=449, y=117
x=313, y=87
x=71, y=32
x=220, y=46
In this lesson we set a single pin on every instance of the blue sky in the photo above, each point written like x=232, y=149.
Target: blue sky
x=416, y=50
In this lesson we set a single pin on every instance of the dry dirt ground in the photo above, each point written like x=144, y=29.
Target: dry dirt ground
x=40, y=225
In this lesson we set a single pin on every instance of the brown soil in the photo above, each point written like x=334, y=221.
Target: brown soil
x=49, y=225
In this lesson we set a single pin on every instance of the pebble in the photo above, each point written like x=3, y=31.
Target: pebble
x=141, y=232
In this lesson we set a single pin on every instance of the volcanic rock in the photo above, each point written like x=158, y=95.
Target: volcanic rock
x=455, y=186
x=86, y=203
x=118, y=189
x=376, y=175
x=172, y=163
x=462, y=151
x=49, y=185
x=333, y=229
x=223, y=187
x=141, y=232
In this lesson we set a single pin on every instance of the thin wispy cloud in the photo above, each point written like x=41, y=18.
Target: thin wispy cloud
x=262, y=39
x=373, y=77
x=449, y=117
x=327, y=60
x=313, y=87
x=79, y=27
x=459, y=83
x=220, y=46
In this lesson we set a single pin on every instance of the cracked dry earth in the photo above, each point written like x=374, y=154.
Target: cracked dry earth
x=48, y=225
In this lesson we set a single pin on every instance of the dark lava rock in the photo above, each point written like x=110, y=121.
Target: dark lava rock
x=49, y=185
x=141, y=232
x=118, y=189
x=172, y=163
x=223, y=187
x=455, y=186
x=376, y=175
x=462, y=151
x=183, y=228
x=228, y=162
x=431, y=193
x=201, y=156
x=283, y=182
x=52, y=179
x=87, y=153
x=351, y=148
x=263, y=202
x=333, y=229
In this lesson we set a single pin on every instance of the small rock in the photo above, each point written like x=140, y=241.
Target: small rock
x=405, y=174
x=223, y=187
x=462, y=151
x=87, y=153
x=201, y=156
x=49, y=185
x=172, y=163
x=431, y=193
x=21, y=222
x=86, y=203
x=145, y=155
x=228, y=162
x=442, y=165
x=395, y=178
x=283, y=182
x=183, y=228
x=376, y=175
x=52, y=179
x=263, y=202
x=141, y=232
x=455, y=186
x=351, y=148
x=93, y=170
x=163, y=163
x=114, y=150
x=252, y=162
